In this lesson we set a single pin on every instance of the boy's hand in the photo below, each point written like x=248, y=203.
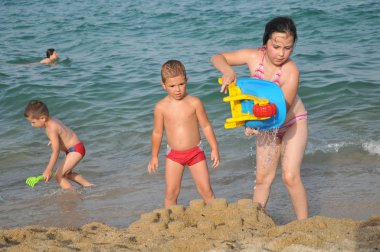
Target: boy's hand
x=153, y=165
x=215, y=158
x=47, y=176
x=249, y=131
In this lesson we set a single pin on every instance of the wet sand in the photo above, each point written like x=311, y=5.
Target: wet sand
x=218, y=226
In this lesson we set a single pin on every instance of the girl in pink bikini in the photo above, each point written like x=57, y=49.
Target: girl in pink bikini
x=272, y=62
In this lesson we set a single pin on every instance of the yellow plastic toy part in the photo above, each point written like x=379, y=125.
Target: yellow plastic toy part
x=235, y=97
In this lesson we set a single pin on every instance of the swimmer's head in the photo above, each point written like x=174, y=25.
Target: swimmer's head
x=49, y=52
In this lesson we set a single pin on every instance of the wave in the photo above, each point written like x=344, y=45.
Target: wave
x=370, y=147
x=373, y=147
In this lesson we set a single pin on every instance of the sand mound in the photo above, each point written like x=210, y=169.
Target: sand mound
x=218, y=226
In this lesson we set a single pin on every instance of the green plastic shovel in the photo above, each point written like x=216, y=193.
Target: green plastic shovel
x=32, y=181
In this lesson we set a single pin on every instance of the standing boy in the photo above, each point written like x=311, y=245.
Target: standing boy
x=61, y=139
x=180, y=115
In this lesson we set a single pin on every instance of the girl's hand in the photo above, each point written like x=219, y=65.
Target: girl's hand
x=249, y=131
x=227, y=79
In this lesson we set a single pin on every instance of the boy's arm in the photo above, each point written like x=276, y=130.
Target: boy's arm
x=208, y=132
x=53, y=136
x=157, y=132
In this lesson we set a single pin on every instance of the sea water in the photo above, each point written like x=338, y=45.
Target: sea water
x=108, y=79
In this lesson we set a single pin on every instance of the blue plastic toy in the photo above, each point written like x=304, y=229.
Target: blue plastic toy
x=255, y=103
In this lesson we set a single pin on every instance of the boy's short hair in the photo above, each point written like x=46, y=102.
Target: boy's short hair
x=172, y=68
x=36, y=109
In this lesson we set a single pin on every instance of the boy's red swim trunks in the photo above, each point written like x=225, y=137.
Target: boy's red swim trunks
x=187, y=157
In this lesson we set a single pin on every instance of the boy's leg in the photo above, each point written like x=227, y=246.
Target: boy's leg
x=294, y=145
x=173, y=177
x=64, y=171
x=201, y=178
x=75, y=158
x=267, y=158
x=76, y=177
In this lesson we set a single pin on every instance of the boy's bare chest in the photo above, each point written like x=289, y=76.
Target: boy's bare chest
x=180, y=114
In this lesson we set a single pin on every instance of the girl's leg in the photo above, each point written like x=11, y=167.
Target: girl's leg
x=201, y=178
x=294, y=145
x=267, y=158
x=173, y=176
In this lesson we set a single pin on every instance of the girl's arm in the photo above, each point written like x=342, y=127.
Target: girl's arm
x=223, y=62
x=290, y=83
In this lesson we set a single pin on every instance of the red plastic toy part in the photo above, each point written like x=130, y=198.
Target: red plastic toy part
x=267, y=110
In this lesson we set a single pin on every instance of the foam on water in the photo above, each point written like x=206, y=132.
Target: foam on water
x=372, y=147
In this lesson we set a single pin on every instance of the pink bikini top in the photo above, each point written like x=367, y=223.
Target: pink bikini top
x=259, y=72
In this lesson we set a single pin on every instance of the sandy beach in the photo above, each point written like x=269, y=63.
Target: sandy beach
x=218, y=226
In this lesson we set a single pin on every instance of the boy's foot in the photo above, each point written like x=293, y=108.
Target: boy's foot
x=89, y=186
